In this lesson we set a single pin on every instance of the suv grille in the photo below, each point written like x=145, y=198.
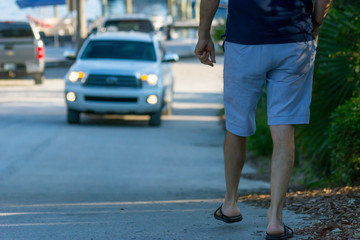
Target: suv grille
x=112, y=81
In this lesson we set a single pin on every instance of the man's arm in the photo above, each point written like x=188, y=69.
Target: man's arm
x=320, y=10
x=205, y=49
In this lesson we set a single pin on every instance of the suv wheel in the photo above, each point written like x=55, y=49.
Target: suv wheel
x=155, y=119
x=73, y=117
x=39, y=78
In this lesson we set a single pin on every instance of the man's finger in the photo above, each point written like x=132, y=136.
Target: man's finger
x=209, y=63
x=198, y=52
x=206, y=61
x=204, y=56
x=201, y=55
x=212, y=56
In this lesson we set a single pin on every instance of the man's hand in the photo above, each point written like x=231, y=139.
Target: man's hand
x=205, y=51
x=315, y=34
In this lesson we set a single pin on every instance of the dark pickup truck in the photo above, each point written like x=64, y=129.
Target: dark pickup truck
x=22, y=52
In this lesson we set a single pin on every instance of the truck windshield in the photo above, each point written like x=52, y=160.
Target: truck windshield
x=15, y=30
x=124, y=50
x=129, y=25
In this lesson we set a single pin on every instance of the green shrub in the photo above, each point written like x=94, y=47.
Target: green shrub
x=344, y=143
x=261, y=143
x=218, y=31
x=336, y=80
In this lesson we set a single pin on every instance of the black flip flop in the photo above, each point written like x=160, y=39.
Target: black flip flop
x=285, y=235
x=218, y=214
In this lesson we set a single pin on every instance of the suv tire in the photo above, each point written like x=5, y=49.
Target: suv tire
x=155, y=119
x=39, y=78
x=73, y=117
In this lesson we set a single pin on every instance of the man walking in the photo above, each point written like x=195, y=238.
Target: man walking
x=271, y=41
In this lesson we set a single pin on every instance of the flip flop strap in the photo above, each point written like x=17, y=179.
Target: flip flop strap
x=286, y=230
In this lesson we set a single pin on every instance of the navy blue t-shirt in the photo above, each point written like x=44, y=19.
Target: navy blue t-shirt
x=269, y=21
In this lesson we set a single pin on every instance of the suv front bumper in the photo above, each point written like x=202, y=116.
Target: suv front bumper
x=113, y=100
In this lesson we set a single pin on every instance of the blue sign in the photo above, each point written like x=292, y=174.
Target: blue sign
x=39, y=3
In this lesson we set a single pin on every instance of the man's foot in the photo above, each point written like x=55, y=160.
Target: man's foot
x=286, y=234
x=219, y=215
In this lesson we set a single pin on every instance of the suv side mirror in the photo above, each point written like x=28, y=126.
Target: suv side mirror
x=70, y=54
x=94, y=30
x=171, y=57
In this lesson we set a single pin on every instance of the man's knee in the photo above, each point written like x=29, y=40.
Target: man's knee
x=234, y=136
x=282, y=134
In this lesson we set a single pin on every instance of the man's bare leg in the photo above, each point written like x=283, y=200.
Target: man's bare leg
x=281, y=168
x=234, y=157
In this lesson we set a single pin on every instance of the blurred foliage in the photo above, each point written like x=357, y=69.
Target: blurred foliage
x=218, y=32
x=260, y=143
x=345, y=4
x=344, y=143
x=336, y=79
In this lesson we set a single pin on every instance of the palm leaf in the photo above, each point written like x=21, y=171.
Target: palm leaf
x=335, y=81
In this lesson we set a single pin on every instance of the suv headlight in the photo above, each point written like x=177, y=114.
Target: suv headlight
x=152, y=79
x=75, y=76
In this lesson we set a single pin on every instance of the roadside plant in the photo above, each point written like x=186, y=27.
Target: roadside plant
x=261, y=143
x=218, y=31
x=336, y=79
x=344, y=143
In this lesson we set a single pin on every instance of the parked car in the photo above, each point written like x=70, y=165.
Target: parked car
x=22, y=52
x=120, y=73
x=130, y=23
x=135, y=22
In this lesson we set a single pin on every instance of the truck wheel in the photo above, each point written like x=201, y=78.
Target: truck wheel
x=155, y=119
x=73, y=117
x=39, y=78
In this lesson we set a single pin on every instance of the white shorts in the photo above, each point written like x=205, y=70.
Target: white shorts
x=287, y=69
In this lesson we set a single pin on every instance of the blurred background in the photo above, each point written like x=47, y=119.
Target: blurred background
x=57, y=174
x=57, y=22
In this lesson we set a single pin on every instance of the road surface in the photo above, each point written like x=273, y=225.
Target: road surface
x=114, y=177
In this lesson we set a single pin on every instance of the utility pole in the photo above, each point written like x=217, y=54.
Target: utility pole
x=197, y=10
x=56, y=12
x=183, y=9
x=189, y=9
x=81, y=25
x=103, y=7
x=171, y=7
x=128, y=6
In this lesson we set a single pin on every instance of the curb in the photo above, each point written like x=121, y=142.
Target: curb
x=58, y=63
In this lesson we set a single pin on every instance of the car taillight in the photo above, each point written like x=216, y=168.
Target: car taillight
x=40, y=50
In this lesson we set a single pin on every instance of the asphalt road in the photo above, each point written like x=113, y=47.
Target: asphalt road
x=114, y=177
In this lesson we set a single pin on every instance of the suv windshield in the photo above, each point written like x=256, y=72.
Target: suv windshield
x=14, y=30
x=129, y=25
x=125, y=50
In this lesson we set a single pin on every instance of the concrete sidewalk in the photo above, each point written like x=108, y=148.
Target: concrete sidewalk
x=116, y=178
x=165, y=220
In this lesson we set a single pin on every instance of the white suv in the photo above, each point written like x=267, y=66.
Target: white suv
x=120, y=73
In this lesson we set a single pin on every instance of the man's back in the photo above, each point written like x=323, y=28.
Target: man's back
x=269, y=21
